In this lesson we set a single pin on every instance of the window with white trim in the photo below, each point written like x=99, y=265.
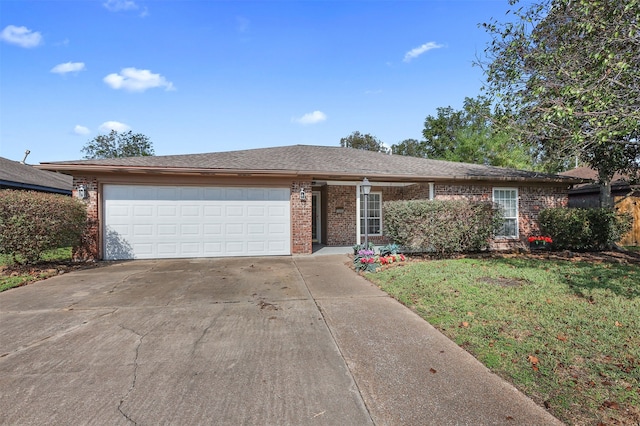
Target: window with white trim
x=374, y=213
x=507, y=199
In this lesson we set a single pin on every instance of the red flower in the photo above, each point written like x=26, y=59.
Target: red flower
x=535, y=239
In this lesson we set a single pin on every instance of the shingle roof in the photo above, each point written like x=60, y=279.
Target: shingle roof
x=322, y=162
x=619, y=182
x=591, y=174
x=17, y=175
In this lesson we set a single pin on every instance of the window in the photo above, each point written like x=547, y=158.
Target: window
x=507, y=199
x=374, y=213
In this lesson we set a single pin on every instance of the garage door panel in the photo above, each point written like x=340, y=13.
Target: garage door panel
x=168, y=221
x=215, y=211
x=143, y=230
x=256, y=229
x=212, y=230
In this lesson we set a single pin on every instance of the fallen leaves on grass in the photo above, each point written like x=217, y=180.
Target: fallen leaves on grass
x=534, y=362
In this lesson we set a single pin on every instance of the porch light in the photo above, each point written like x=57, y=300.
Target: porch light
x=303, y=195
x=82, y=192
x=365, y=186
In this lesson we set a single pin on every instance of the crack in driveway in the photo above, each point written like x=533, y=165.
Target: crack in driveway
x=135, y=374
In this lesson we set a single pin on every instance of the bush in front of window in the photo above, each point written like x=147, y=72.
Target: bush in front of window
x=441, y=227
x=578, y=229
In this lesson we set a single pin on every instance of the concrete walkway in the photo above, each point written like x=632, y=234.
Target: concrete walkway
x=277, y=341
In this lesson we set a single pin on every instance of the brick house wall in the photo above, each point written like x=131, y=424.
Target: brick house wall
x=339, y=211
x=301, y=212
x=88, y=249
x=341, y=215
x=532, y=199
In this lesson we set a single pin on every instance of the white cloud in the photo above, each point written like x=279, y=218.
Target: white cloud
x=108, y=126
x=81, y=130
x=68, y=67
x=414, y=53
x=118, y=5
x=135, y=80
x=21, y=36
x=311, y=118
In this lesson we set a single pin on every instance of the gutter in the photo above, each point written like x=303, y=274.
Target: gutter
x=314, y=174
x=18, y=185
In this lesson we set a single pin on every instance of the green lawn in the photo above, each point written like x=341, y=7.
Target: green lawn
x=565, y=333
x=10, y=278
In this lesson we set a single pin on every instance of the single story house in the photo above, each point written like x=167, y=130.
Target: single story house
x=16, y=175
x=626, y=196
x=281, y=200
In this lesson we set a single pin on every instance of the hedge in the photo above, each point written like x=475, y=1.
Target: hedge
x=441, y=226
x=581, y=229
x=33, y=222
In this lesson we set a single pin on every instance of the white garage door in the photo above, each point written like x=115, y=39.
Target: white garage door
x=150, y=222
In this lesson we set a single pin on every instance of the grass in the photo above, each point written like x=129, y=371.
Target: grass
x=565, y=333
x=11, y=277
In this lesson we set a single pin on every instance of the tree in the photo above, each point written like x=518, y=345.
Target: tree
x=468, y=135
x=566, y=75
x=367, y=142
x=409, y=148
x=115, y=145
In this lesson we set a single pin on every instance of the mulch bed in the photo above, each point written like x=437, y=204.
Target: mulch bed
x=627, y=257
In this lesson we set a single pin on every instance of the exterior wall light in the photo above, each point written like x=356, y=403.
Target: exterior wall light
x=303, y=195
x=82, y=192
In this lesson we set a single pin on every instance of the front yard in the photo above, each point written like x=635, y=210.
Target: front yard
x=564, y=332
x=15, y=275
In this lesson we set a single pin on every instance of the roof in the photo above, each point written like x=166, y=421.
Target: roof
x=22, y=176
x=619, y=182
x=591, y=174
x=317, y=162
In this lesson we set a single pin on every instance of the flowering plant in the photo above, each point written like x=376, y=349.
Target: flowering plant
x=387, y=260
x=540, y=239
x=365, y=260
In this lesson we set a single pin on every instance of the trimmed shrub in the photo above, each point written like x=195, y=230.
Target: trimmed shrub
x=441, y=226
x=33, y=222
x=583, y=229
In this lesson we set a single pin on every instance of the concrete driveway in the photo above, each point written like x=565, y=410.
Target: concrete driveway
x=273, y=340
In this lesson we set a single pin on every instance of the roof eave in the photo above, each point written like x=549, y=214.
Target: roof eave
x=315, y=174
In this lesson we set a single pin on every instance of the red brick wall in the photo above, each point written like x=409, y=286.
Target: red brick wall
x=301, y=219
x=341, y=227
x=88, y=249
x=531, y=200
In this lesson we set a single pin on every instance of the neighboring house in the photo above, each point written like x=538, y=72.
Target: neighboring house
x=625, y=195
x=16, y=175
x=279, y=201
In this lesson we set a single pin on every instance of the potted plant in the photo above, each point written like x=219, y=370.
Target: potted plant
x=539, y=242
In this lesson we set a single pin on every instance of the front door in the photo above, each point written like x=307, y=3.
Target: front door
x=315, y=217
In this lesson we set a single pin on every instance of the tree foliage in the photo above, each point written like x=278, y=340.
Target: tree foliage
x=468, y=135
x=367, y=142
x=116, y=145
x=566, y=76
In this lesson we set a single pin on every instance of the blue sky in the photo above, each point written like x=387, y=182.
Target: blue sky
x=204, y=76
